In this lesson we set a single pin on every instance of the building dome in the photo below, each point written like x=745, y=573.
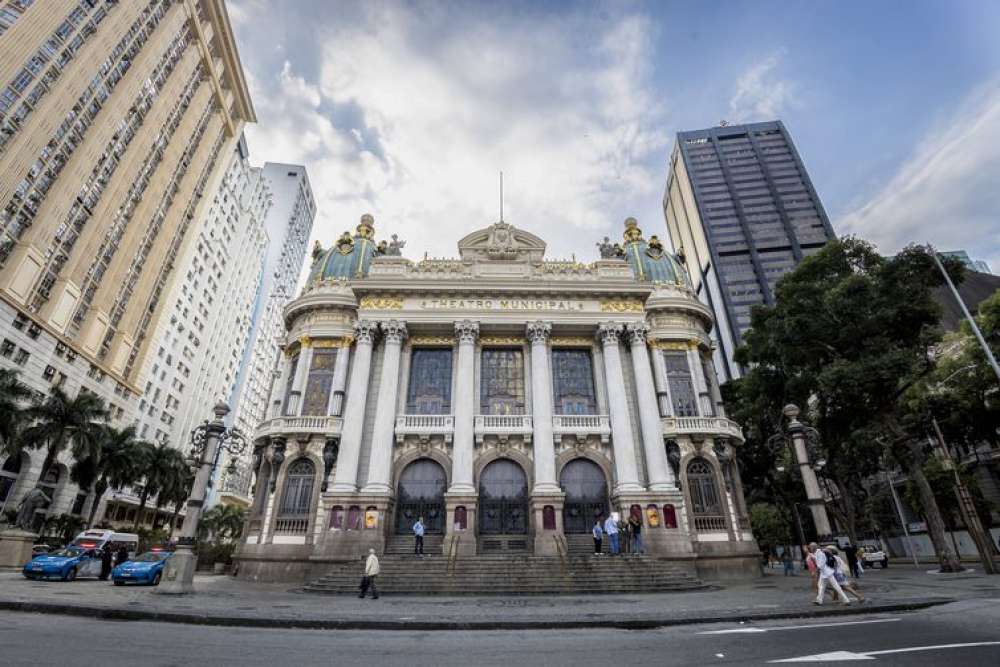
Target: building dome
x=350, y=257
x=649, y=260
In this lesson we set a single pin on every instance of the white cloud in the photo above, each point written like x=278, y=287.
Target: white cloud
x=946, y=192
x=761, y=94
x=440, y=101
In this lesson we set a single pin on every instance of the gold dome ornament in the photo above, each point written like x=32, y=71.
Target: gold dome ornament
x=366, y=229
x=632, y=231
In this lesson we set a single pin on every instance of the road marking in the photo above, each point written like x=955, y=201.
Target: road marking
x=737, y=631
x=849, y=655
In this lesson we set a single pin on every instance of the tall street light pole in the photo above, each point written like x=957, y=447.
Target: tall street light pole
x=207, y=440
x=803, y=445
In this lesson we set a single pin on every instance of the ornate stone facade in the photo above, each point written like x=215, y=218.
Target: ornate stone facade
x=507, y=399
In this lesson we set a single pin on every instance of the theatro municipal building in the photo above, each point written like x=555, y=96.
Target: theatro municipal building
x=506, y=398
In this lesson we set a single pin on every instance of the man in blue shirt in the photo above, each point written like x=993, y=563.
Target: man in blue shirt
x=598, y=534
x=418, y=532
x=611, y=528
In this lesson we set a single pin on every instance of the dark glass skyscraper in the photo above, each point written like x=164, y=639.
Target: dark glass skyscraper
x=740, y=205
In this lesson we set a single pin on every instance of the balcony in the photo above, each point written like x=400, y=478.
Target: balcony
x=702, y=427
x=424, y=426
x=503, y=426
x=294, y=426
x=581, y=426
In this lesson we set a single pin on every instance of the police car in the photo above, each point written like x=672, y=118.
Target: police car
x=66, y=564
x=144, y=569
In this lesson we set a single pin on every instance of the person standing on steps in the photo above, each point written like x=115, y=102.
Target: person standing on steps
x=418, y=534
x=598, y=535
x=371, y=573
x=611, y=528
x=635, y=525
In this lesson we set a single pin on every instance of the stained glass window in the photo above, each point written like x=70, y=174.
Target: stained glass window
x=502, y=382
x=681, y=386
x=429, y=392
x=290, y=384
x=319, y=383
x=573, y=382
x=297, y=496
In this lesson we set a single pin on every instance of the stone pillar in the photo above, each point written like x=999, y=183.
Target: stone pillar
x=662, y=384
x=336, y=404
x=658, y=472
x=815, y=495
x=345, y=480
x=464, y=440
x=301, y=379
x=622, y=438
x=380, y=463
x=541, y=408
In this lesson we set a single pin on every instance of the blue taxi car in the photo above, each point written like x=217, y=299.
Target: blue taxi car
x=144, y=569
x=66, y=564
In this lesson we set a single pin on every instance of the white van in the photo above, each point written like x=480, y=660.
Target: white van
x=99, y=539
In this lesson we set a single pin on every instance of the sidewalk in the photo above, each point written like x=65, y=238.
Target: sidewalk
x=225, y=601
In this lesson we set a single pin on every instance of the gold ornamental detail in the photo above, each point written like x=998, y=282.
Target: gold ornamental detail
x=674, y=345
x=439, y=341
x=622, y=306
x=571, y=341
x=502, y=340
x=333, y=343
x=381, y=303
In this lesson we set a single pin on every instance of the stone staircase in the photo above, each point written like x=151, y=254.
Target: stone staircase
x=402, y=545
x=513, y=574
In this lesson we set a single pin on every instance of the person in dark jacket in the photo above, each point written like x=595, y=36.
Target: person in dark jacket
x=105, y=563
x=121, y=556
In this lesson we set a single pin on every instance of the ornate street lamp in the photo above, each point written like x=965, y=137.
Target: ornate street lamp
x=207, y=443
x=804, y=443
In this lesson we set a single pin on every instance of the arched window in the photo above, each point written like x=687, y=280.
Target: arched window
x=297, y=496
x=706, y=503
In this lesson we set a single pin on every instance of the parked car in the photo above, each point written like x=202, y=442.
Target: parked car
x=874, y=557
x=144, y=569
x=39, y=549
x=66, y=564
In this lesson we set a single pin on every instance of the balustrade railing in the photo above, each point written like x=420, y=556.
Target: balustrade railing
x=311, y=424
x=502, y=425
x=706, y=425
x=708, y=523
x=291, y=526
x=581, y=425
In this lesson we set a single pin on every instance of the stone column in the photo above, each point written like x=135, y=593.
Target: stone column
x=622, y=438
x=380, y=463
x=541, y=408
x=813, y=493
x=336, y=404
x=345, y=480
x=463, y=442
x=662, y=384
x=657, y=471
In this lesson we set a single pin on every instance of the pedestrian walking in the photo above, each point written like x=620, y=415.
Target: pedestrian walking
x=851, y=552
x=635, y=524
x=418, y=534
x=371, y=573
x=105, y=563
x=598, y=535
x=843, y=576
x=611, y=529
x=786, y=559
x=826, y=566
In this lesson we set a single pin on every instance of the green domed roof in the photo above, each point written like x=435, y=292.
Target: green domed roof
x=649, y=260
x=350, y=257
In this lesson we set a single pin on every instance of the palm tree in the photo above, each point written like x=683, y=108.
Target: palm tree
x=225, y=522
x=115, y=467
x=178, y=494
x=13, y=395
x=159, y=465
x=175, y=487
x=60, y=421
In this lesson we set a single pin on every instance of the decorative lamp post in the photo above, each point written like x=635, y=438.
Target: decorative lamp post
x=207, y=443
x=803, y=442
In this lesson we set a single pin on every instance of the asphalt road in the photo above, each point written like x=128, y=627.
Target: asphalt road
x=963, y=633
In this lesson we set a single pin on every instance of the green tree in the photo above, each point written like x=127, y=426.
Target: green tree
x=851, y=331
x=58, y=422
x=158, y=464
x=14, y=395
x=770, y=526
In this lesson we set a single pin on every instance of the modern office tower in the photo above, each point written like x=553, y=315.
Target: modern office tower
x=289, y=223
x=115, y=119
x=741, y=209
x=978, y=265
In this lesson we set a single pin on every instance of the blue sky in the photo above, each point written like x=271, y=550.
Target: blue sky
x=409, y=110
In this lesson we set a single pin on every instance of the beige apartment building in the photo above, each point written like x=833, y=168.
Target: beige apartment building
x=116, y=120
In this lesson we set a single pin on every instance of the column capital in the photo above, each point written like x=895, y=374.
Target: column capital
x=467, y=331
x=538, y=331
x=365, y=331
x=394, y=331
x=608, y=332
x=637, y=332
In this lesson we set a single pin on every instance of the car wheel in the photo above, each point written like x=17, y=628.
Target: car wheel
x=156, y=578
x=70, y=574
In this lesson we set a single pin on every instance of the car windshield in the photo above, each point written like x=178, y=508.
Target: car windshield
x=69, y=552
x=152, y=556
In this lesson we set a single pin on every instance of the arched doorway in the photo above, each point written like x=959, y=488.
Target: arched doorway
x=586, y=495
x=503, y=499
x=421, y=493
x=706, y=501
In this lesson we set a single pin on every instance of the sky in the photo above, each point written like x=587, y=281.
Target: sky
x=409, y=111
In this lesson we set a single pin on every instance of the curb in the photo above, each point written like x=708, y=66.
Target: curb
x=111, y=614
